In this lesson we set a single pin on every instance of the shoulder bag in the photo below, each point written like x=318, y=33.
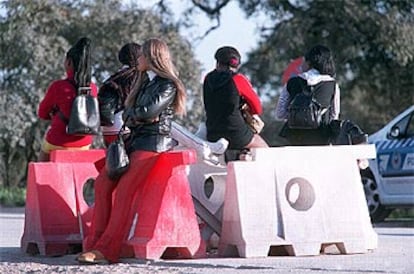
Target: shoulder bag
x=117, y=160
x=254, y=121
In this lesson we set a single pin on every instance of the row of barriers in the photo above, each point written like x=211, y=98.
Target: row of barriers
x=287, y=200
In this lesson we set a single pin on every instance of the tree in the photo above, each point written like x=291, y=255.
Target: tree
x=35, y=37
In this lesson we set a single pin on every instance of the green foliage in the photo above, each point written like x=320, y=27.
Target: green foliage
x=35, y=37
x=15, y=196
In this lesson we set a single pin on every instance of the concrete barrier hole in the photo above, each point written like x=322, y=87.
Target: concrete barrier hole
x=89, y=192
x=300, y=194
x=208, y=187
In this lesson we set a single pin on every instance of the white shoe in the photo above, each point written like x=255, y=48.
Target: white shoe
x=218, y=147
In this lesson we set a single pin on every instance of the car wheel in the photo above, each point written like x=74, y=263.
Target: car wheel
x=377, y=211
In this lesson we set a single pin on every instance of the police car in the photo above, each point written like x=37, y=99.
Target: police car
x=389, y=180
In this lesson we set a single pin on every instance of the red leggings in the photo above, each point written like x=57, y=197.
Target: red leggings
x=112, y=220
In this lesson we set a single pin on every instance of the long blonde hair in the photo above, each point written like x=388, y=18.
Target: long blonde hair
x=159, y=60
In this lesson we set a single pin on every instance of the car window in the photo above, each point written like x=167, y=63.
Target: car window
x=402, y=127
x=410, y=127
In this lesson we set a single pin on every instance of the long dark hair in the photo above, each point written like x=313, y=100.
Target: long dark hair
x=320, y=58
x=124, y=80
x=80, y=55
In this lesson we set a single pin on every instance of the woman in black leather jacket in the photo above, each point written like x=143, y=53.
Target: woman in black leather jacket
x=148, y=113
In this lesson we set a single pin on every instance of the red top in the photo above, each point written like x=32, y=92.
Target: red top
x=247, y=92
x=60, y=95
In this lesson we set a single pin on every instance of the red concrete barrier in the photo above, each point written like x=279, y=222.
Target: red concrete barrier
x=56, y=214
x=166, y=223
x=76, y=156
x=84, y=175
x=58, y=217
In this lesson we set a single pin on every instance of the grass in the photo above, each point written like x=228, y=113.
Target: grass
x=13, y=196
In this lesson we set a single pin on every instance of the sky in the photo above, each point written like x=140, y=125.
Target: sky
x=235, y=30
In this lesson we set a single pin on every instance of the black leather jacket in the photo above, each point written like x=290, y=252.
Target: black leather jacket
x=150, y=118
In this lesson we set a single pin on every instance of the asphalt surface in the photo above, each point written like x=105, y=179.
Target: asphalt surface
x=395, y=254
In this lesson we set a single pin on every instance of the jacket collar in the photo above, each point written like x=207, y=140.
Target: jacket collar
x=314, y=77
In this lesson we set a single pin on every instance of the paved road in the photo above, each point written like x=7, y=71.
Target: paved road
x=395, y=254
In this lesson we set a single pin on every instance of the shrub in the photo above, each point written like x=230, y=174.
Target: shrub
x=13, y=196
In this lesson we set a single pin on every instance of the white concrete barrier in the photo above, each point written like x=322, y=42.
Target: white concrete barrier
x=207, y=177
x=297, y=200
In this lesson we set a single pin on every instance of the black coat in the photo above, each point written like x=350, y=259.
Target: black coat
x=112, y=95
x=222, y=103
x=150, y=118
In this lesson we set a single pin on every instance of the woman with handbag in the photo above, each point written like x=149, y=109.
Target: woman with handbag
x=57, y=103
x=149, y=112
x=114, y=91
x=226, y=95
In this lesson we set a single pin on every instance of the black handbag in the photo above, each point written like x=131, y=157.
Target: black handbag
x=117, y=160
x=346, y=132
x=84, y=116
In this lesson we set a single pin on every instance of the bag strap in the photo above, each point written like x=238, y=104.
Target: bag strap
x=121, y=130
x=122, y=127
x=62, y=116
x=83, y=91
x=79, y=90
x=310, y=91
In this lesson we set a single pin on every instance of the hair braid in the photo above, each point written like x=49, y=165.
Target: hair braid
x=80, y=54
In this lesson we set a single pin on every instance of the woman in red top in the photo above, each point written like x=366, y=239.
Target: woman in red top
x=59, y=98
x=224, y=92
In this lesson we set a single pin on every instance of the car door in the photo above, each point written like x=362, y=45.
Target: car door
x=395, y=156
